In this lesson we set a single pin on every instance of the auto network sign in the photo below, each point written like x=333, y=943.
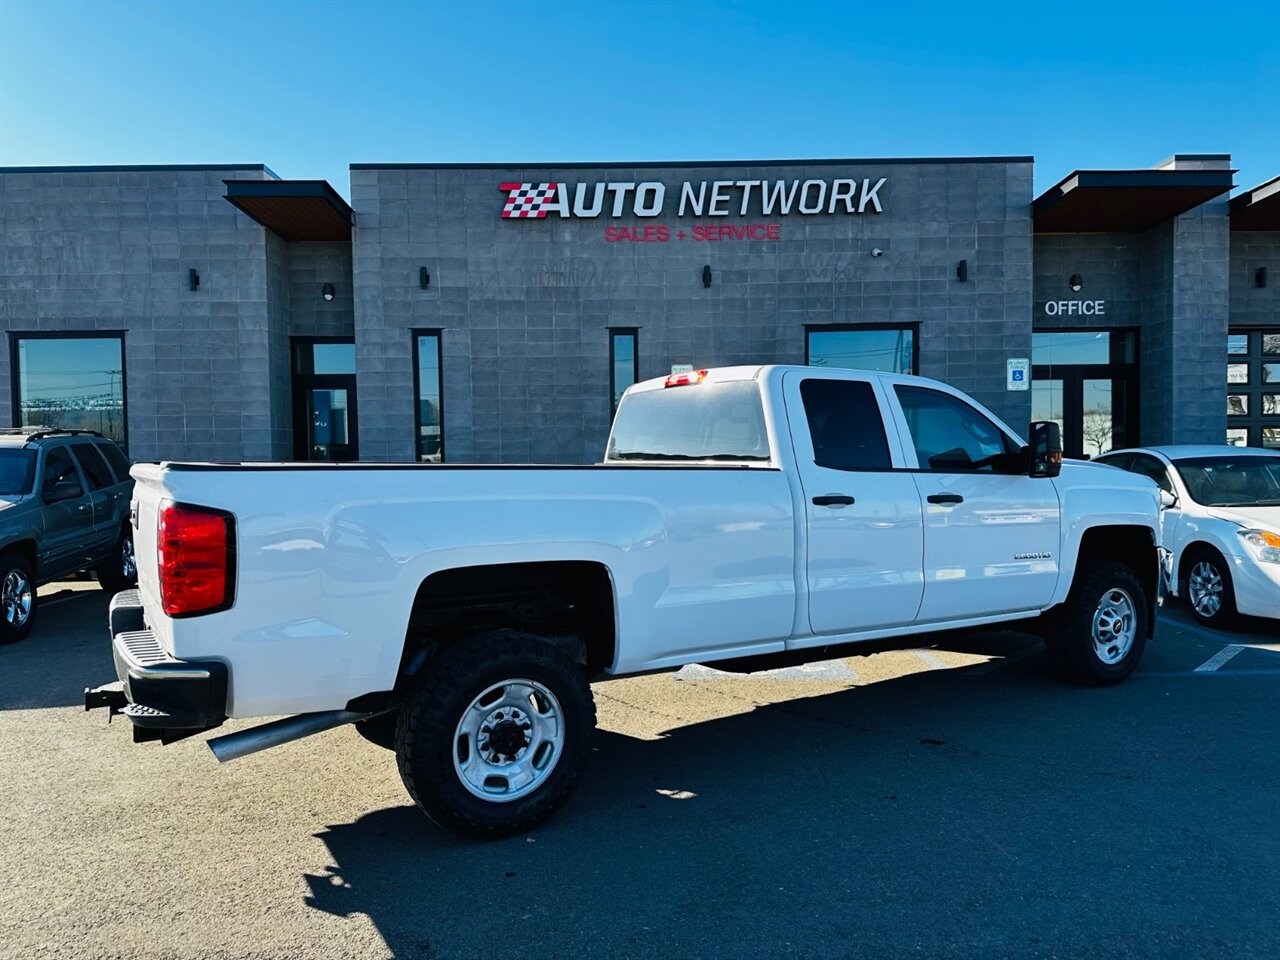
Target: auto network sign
x=715, y=198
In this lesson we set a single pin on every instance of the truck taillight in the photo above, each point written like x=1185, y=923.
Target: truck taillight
x=196, y=559
x=686, y=378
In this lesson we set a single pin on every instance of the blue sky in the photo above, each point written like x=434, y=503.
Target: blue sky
x=309, y=87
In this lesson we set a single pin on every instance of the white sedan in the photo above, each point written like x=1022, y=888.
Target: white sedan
x=1221, y=525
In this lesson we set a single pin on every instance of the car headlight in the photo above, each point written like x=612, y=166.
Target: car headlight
x=1266, y=545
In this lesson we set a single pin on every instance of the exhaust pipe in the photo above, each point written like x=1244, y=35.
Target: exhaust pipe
x=273, y=734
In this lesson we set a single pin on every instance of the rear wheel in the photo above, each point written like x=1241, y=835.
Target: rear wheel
x=119, y=571
x=1097, y=637
x=17, y=597
x=1209, y=591
x=494, y=736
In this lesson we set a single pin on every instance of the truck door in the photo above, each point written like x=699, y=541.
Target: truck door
x=865, y=533
x=104, y=494
x=991, y=533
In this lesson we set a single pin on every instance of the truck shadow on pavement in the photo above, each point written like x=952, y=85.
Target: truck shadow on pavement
x=947, y=813
x=67, y=650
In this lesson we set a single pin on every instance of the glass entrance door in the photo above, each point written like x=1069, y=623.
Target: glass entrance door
x=1087, y=383
x=324, y=400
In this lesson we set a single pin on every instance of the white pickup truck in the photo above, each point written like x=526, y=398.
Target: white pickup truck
x=747, y=516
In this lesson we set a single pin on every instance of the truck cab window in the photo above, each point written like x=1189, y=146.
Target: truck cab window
x=845, y=425
x=952, y=437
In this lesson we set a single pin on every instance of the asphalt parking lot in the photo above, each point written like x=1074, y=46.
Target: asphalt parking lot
x=937, y=803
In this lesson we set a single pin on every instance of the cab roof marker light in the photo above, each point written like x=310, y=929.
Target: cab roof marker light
x=685, y=379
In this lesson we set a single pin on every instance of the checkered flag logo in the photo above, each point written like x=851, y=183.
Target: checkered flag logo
x=527, y=199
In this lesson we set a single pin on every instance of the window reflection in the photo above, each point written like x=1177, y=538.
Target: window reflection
x=887, y=350
x=72, y=383
x=625, y=369
x=430, y=420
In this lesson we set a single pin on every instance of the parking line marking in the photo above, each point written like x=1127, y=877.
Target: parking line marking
x=1270, y=672
x=934, y=662
x=1219, y=658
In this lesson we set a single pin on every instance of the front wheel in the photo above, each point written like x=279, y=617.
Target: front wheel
x=1097, y=637
x=1209, y=591
x=119, y=571
x=17, y=597
x=494, y=736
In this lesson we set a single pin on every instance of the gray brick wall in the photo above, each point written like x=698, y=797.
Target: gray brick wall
x=1251, y=305
x=526, y=305
x=110, y=249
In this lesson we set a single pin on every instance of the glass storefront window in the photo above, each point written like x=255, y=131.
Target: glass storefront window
x=71, y=383
x=887, y=349
x=319, y=357
x=1057, y=347
x=1271, y=437
x=1253, y=387
x=624, y=362
x=429, y=395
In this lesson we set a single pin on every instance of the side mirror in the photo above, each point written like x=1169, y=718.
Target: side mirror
x=1044, y=453
x=1167, y=500
x=68, y=488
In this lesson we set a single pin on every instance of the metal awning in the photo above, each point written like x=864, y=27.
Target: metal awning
x=293, y=209
x=1257, y=209
x=1124, y=201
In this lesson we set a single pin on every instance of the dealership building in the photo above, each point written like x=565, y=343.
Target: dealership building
x=494, y=313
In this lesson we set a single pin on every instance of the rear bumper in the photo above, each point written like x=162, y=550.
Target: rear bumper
x=165, y=699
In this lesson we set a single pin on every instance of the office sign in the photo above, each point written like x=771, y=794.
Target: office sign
x=1076, y=308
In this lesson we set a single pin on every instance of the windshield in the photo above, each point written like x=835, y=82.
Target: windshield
x=17, y=469
x=701, y=421
x=1232, y=481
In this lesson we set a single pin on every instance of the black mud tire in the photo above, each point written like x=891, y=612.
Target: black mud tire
x=111, y=572
x=1068, y=630
x=379, y=730
x=1225, y=616
x=429, y=718
x=19, y=566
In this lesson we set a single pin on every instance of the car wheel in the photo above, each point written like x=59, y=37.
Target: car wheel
x=1209, y=591
x=120, y=570
x=1097, y=637
x=494, y=736
x=17, y=597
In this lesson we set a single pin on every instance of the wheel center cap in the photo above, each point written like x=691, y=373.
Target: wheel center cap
x=507, y=739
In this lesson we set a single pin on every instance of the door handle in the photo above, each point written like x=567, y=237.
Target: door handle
x=833, y=500
x=945, y=498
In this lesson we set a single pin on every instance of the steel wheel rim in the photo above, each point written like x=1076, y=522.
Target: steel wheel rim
x=1205, y=589
x=15, y=597
x=508, y=740
x=1115, y=625
x=128, y=564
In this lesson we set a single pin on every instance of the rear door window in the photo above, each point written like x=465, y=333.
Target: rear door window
x=845, y=425
x=94, y=467
x=115, y=456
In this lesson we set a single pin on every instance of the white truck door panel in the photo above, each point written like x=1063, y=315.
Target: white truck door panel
x=993, y=551
x=865, y=536
x=991, y=535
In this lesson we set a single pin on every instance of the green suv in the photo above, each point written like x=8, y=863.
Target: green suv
x=64, y=507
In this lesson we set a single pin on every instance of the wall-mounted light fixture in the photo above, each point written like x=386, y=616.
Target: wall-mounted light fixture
x=424, y=278
x=962, y=271
x=706, y=275
x=877, y=252
x=194, y=277
x=1076, y=282
x=327, y=291
x=1260, y=277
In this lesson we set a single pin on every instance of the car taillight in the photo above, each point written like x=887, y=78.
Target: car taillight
x=197, y=559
